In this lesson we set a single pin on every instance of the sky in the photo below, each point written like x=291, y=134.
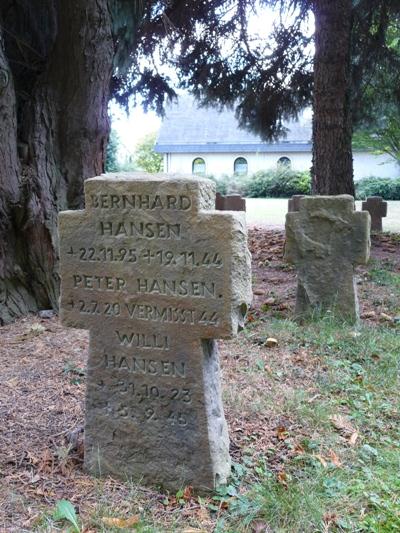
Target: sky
x=132, y=128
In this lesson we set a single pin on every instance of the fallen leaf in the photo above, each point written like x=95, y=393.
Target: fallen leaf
x=368, y=314
x=342, y=424
x=330, y=518
x=203, y=514
x=187, y=493
x=260, y=527
x=12, y=383
x=121, y=522
x=353, y=438
x=269, y=301
x=282, y=433
x=322, y=460
x=271, y=342
x=334, y=458
x=299, y=449
x=282, y=478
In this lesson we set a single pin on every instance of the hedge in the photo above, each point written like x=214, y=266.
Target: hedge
x=387, y=188
x=286, y=183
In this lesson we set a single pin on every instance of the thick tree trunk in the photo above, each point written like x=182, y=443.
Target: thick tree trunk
x=332, y=171
x=53, y=132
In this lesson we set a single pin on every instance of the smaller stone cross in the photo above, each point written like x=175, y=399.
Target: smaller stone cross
x=233, y=202
x=325, y=239
x=156, y=275
x=377, y=208
x=293, y=202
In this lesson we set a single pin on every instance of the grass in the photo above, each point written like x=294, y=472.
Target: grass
x=357, y=379
x=317, y=423
x=272, y=211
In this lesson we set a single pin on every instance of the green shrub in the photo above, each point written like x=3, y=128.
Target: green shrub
x=387, y=188
x=269, y=183
x=222, y=183
x=230, y=184
x=277, y=184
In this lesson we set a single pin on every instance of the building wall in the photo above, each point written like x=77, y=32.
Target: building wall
x=365, y=164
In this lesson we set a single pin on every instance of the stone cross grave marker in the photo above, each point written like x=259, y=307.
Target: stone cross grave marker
x=155, y=275
x=325, y=239
x=232, y=202
x=377, y=208
x=293, y=202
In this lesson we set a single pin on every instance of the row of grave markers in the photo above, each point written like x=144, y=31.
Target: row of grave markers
x=156, y=275
x=375, y=206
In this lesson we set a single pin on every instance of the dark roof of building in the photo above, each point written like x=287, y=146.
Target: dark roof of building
x=190, y=128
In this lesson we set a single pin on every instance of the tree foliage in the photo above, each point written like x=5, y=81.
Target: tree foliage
x=379, y=117
x=111, y=163
x=145, y=157
x=208, y=45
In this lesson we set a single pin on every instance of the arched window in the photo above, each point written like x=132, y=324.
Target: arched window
x=199, y=166
x=284, y=163
x=240, y=166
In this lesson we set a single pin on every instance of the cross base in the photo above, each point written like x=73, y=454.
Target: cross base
x=317, y=294
x=155, y=415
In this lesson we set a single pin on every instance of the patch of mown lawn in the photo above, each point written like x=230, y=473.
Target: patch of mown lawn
x=343, y=476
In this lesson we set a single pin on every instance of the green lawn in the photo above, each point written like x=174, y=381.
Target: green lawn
x=272, y=211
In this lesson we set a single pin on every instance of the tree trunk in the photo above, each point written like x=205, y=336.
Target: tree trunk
x=332, y=171
x=53, y=133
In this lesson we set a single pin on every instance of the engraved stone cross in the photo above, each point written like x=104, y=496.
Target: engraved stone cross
x=377, y=208
x=325, y=238
x=155, y=275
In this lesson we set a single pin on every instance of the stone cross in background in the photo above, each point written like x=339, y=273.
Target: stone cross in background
x=377, y=208
x=325, y=239
x=155, y=275
x=293, y=202
x=233, y=202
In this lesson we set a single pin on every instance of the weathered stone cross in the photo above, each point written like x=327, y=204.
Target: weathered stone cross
x=232, y=202
x=293, y=202
x=325, y=239
x=156, y=276
x=377, y=208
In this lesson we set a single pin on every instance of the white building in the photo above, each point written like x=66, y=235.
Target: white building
x=207, y=141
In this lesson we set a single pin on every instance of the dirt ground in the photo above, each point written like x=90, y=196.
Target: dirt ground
x=42, y=397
